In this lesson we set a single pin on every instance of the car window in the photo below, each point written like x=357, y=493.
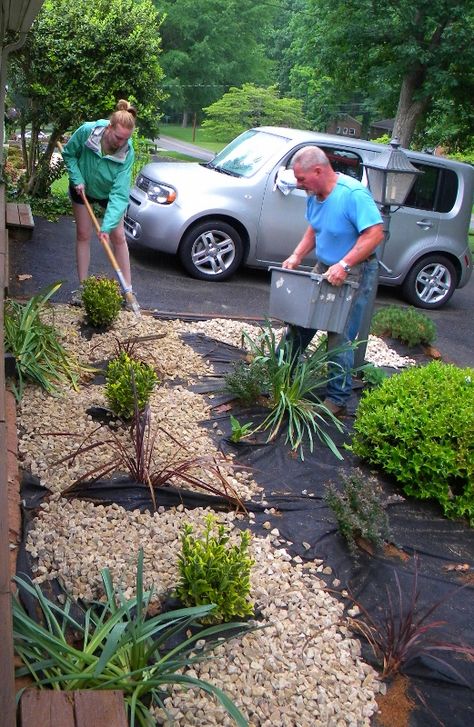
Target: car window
x=434, y=190
x=343, y=161
x=248, y=153
x=346, y=162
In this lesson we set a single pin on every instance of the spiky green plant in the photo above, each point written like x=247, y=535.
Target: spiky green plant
x=39, y=355
x=294, y=387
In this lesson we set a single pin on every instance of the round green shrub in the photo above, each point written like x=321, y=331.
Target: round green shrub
x=128, y=380
x=405, y=324
x=419, y=427
x=102, y=301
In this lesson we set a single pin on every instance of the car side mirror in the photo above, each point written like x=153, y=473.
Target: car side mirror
x=284, y=180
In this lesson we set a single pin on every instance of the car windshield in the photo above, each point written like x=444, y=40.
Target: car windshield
x=248, y=153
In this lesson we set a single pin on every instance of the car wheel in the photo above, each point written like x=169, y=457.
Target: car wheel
x=212, y=250
x=431, y=282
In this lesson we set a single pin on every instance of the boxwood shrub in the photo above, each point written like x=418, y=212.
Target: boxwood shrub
x=419, y=427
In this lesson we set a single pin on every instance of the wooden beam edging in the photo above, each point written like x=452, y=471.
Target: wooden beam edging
x=7, y=678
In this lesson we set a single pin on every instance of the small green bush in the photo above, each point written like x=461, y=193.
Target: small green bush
x=405, y=324
x=102, y=301
x=128, y=382
x=419, y=427
x=246, y=381
x=212, y=571
x=372, y=375
x=359, y=510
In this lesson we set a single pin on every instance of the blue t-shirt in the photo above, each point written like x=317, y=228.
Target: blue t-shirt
x=340, y=218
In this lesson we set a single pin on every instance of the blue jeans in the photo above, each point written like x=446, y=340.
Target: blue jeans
x=339, y=387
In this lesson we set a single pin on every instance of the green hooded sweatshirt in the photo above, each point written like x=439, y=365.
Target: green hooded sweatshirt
x=105, y=176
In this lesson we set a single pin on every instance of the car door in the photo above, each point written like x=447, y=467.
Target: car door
x=282, y=219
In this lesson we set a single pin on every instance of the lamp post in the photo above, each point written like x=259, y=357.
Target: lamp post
x=390, y=177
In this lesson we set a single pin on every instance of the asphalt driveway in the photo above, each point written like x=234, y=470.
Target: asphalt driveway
x=160, y=284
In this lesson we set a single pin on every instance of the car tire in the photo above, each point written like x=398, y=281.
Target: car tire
x=430, y=282
x=211, y=250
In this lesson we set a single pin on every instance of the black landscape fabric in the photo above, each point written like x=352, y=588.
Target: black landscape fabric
x=427, y=544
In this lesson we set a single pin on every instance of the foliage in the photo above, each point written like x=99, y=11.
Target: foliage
x=141, y=146
x=102, y=301
x=210, y=45
x=39, y=355
x=239, y=430
x=128, y=382
x=408, y=325
x=213, y=571
x=372, y=375
x=372, y=57
x=419, y=427
x=404, y=631
x=79, y=59
x=246, y=381
x=248, y=106
x=117, y=645
x=359, y=510
x=137, y=457
x=293, y=389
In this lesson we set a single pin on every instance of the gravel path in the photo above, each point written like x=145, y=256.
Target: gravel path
x=303, y=669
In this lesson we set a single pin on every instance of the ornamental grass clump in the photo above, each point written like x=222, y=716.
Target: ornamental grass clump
x=405, y=324
x=39, y=356
x=128, y=383
x=102, y=301
x=418, y=426
x=118, y=644
x=214, y=571
x=294, y=388
x=359, y=510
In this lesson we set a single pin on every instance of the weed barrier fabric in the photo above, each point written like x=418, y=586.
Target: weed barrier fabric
x=295, y=489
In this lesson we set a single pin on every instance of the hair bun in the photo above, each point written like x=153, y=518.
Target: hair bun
x=123, y=105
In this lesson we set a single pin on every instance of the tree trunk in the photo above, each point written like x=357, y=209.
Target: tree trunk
x=409, y=110
x=41, y=178
x=184, y=121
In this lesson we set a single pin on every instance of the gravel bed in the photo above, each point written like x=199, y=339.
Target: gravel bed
x=303, y=669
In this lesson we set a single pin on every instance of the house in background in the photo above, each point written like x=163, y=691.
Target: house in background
x=379, y=128
x=345, y=126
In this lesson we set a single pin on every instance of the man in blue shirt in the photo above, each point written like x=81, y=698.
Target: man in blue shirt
x=345, y=227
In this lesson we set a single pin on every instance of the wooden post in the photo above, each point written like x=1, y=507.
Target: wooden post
x=7, y=678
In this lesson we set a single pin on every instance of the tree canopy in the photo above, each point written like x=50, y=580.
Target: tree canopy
x=241, y=108
x=211, y=45
x=81, y=57
x=412, y=56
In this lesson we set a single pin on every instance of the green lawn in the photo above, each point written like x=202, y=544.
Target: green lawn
x=203, y=137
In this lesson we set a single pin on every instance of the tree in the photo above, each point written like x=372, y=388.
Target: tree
x=79, y=59
x=241, y=108
x=402, y=54
x=211, y=45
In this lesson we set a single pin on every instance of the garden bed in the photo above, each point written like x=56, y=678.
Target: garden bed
x=305, y=668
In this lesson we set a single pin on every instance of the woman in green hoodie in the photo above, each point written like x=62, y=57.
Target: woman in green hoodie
x=99, y=158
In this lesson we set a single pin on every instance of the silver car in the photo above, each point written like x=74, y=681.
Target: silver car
x=241, y=208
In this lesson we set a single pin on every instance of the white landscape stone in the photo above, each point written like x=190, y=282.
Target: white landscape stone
x=303, y=669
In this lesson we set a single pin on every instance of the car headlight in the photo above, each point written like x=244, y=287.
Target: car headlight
x=155, y=191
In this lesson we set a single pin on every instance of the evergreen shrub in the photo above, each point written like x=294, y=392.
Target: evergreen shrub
x=129, y=384
x=405, y=324
x=102, y=301
x=214, y=571
x=419, y=427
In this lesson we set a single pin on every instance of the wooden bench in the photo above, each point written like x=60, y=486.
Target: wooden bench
x=19, y=221
x=81, y=708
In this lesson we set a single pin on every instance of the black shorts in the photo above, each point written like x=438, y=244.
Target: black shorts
x=78, y=199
